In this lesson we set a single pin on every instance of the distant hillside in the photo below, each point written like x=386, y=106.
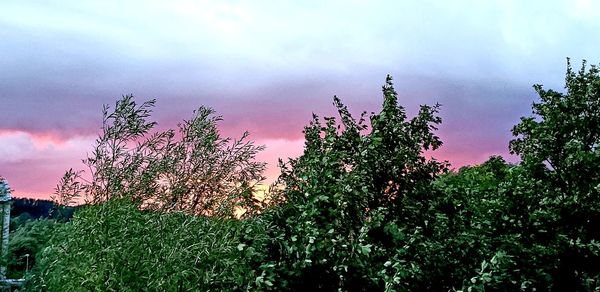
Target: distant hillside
x=25, y=208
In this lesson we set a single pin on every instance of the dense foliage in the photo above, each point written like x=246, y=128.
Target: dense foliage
x=356, y=199
x=26, y=242
x=116, y=247
x=559, y=147
x=362, y=209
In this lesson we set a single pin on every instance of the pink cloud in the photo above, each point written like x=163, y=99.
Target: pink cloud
x=33, y=163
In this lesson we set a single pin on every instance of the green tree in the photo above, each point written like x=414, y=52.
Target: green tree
x=353, y=203
x=470, y=220
x=192, y=169
x=558, y=146
x=160, y=212
x=363, y=209
x=564, y=132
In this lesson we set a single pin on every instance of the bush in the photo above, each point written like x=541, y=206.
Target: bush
x=116, y=247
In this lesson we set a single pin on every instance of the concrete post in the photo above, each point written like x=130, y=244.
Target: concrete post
x=5, y=214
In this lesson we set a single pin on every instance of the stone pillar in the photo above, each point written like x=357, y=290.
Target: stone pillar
x=5, y=216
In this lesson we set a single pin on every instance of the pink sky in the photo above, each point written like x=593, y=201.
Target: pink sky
x=266, y=66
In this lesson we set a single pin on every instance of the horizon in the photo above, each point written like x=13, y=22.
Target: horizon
x=265, y=67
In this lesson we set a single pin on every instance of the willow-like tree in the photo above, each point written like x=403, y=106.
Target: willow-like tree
x=191, y=169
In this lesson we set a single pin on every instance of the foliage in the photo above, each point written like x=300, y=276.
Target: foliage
x=564, y=131
x=25, y=244
x=26, y=209
x=193, y=170
x=559, y=149
x=117, y=247
x=32, y=224
x=137, y=231
x=355, y=197
x=469, y=219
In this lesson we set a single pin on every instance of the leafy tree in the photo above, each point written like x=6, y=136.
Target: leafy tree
x=564, y=132
x=355, y=200
x=159, y=212
x=362, y=209
x=559, y=146
x=470, y=220
x=193, y=170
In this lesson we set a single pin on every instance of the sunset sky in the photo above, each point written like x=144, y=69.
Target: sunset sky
x=266, y=65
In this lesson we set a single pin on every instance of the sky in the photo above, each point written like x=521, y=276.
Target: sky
x=265, y=66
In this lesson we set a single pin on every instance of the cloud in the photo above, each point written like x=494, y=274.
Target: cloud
x=265, y=66
x=33, y=163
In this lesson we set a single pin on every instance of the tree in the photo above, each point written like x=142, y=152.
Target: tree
x=160, y=210
x=559, y=148
x=564, y=132
x=193, y=169
x=362, y=209
x=348, y=198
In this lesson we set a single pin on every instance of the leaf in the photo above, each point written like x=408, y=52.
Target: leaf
x=365, y=249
